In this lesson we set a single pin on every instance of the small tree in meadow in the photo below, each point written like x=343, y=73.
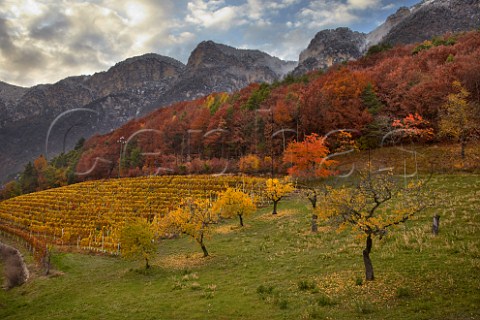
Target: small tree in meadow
x=459, y=118
x=194, y=217
x=275, y=190
x=233, y=202
x=137, y=242
x=308, y=160
x=376, y=202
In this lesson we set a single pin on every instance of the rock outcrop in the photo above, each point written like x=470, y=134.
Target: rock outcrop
x=214, y=67
x=330, y=47
x=15, y=271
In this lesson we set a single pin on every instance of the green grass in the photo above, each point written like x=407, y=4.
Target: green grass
x=275, y=268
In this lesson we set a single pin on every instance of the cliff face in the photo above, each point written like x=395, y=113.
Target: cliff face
x=214, y=67
x=421, y=22
x=148, y=73
x=377, y=35
x=129, y=89
x=9, y=95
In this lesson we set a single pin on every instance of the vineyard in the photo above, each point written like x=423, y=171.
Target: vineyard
x=90, y=215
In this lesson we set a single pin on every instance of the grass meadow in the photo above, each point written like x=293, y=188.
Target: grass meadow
x=275, y=268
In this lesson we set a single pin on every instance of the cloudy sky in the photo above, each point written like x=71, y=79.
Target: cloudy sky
x=46, y=40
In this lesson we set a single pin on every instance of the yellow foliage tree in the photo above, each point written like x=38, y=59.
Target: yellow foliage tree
x=249, y=163
x=233, y=202
x=371, y=206
x=459, y=119
x=275, y=190
x=194, y=217
x=137, y=241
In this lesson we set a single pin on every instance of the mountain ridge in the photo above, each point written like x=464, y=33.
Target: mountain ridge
x=418, y=23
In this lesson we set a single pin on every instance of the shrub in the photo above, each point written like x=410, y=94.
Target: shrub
x=304, y=285
x=403, y=292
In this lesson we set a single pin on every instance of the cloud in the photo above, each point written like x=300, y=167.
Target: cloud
x=219, y=16
x=182, y=37
x=45, y=41
x=210, y=14
x=363, y=4
x=19, y=59
x=330, y=13
x=388, y=6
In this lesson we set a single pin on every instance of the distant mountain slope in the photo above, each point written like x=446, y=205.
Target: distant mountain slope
x=115, y=96
x=421, y=22
x=9, y=94
x=129, y=89
x=435, y=17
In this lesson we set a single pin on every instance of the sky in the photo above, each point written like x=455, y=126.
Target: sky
x=45, y=41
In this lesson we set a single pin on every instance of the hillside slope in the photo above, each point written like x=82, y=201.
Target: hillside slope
x=130, y=89
x=196, y=136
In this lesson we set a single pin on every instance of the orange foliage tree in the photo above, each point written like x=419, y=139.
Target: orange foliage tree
x=309, y=161
x=308, y=158
x=414, y=127
x=249, y=163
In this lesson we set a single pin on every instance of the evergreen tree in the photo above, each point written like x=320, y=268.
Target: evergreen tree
x=29, y=179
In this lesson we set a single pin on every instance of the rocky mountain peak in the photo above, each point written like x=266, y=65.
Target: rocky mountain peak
x=330, y=47
x=432, y=18
x=209, y=54
x=421, y=22
x=148, y=58
x=214, y=67
x=10, y=92
x=140, y=72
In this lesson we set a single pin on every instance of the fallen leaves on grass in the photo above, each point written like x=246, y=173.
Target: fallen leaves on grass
x=182, y=261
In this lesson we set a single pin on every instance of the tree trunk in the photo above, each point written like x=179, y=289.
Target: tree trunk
x=241, y=219
x=204, y=249
x=314, y=223
x=436, y=224
x=313, y=201
x=275, y=207
x=366, y=260
x=147, y=265
x=46, y=263
x=463, y=144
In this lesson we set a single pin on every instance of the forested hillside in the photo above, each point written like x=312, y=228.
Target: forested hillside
x=368, y=95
